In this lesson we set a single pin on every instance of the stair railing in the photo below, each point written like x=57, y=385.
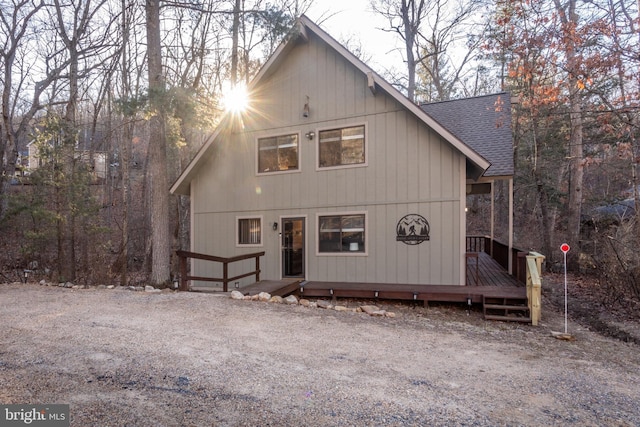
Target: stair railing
x=534, y=285
x=225, y=279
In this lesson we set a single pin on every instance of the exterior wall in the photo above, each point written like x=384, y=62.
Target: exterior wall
x=410, y=170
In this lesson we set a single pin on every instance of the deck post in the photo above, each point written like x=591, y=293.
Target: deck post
x=510, y=226
x=225, y=276
x=257, y=268
x=493, y=219
x=534, y=286
x=183, y=273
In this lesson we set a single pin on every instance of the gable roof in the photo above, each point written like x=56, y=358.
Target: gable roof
x=476, y=163
x=484, y=124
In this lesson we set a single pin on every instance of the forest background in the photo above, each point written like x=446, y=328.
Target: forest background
x=104, y=102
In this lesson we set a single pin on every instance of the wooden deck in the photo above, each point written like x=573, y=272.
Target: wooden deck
x=424, y=293
x=490, y=273
x=485, y=279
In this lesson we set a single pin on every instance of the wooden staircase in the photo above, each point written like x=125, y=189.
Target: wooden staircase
x=506, y=309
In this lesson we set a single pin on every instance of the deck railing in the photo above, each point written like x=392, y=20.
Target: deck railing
x=500, y=252
x=225, y=279
x=478, y=244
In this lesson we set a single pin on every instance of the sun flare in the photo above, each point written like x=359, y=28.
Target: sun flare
x=236, y=99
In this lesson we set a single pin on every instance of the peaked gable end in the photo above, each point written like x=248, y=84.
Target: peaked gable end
x=311, y=74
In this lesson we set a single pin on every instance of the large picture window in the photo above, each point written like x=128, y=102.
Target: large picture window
x=278, y=153
x=341, y=233
x=249, y=231
x=341, y=147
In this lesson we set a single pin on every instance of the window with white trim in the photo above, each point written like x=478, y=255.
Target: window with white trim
x=341, y=147
x=341, y=233
x=278, y=153
x=249, y=231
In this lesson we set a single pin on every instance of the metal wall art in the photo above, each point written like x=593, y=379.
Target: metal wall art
x=412, y=229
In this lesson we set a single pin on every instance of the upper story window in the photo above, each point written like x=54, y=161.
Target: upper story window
x=342, y=147
x=249, y=231
x=278, y=153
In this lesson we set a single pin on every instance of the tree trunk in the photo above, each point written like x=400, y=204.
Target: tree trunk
x=576, y=172
x=547, y=224
x=67, y=255
x=125, y=157
x=7, y=141
x=409, y=42
x=14, y=30
x=235, y=42
x=569, y=19
x=160, y=235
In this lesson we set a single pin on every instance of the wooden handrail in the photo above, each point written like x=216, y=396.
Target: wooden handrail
x=477, y=244
x=534, y=285
x=185, y=255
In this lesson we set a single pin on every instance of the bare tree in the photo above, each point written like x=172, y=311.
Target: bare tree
x=15, y=21
x=569, y=19
x=405, y=18
x=431, y=31
x=83, y=38
x=450, y=42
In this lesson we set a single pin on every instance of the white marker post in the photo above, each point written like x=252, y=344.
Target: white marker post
x=565, y=248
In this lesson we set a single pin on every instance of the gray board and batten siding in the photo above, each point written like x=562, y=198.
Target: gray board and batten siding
x=409, y=168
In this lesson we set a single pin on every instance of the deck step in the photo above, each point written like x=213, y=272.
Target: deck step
x=507, y=318
x=506, y=309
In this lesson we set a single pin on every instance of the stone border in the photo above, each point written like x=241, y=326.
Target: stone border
x=371, y=310
x=70, y=285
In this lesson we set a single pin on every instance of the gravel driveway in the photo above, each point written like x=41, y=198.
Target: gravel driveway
x=121, y=357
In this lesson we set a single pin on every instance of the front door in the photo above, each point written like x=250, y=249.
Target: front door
x=293, y=244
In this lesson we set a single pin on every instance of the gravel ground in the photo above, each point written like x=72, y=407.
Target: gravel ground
x=125, y=358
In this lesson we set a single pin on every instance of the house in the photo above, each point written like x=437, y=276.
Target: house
x=95, y=160
x=338, y=177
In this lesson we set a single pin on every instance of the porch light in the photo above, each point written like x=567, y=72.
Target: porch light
x=310, y=135
x=275, y=226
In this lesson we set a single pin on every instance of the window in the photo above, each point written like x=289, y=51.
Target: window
x=341, y=147
x=278, y=153
x=249, y=231
x=342, y=233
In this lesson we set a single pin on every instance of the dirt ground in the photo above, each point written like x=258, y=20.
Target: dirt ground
x=120, y=357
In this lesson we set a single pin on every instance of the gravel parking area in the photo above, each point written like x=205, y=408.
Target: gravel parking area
x=120, y=357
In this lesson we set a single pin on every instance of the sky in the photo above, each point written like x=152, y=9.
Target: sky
x=353, y=20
